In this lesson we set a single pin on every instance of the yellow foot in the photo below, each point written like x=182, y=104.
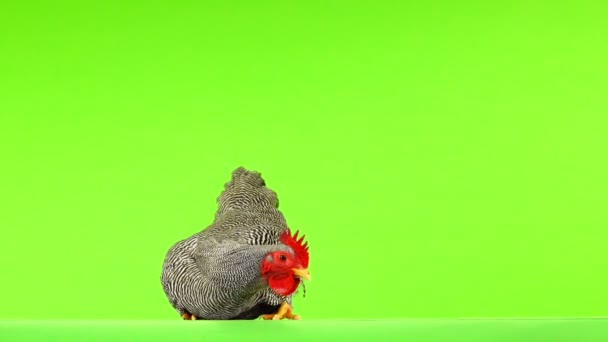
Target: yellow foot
x=188, y=316
x=284, y=312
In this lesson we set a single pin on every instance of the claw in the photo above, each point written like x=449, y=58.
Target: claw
x=284, y=312
x=189, y=317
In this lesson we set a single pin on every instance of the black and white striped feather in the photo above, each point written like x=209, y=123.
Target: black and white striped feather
x=215, y=274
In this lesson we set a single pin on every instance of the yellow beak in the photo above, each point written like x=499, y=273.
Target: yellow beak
x=301, y=273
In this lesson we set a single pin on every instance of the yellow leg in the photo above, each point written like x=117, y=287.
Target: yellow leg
x=283, y=312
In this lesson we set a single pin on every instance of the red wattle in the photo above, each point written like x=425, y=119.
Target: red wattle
x=283, y=284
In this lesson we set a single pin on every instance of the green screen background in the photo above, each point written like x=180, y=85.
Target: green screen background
x=445, y=159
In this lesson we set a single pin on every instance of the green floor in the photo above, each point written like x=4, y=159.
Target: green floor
x=494, y=330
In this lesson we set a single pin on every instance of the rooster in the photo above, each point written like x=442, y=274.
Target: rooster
x=245, y=265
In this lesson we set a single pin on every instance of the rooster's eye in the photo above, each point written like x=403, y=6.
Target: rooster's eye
x=282, y=257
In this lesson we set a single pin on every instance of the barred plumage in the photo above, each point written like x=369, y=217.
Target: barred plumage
x=215, y=274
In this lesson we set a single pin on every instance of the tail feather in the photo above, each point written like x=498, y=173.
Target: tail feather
x=244, y=176
x=246, y=191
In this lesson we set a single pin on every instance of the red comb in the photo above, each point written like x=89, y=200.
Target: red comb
x=299, y=248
